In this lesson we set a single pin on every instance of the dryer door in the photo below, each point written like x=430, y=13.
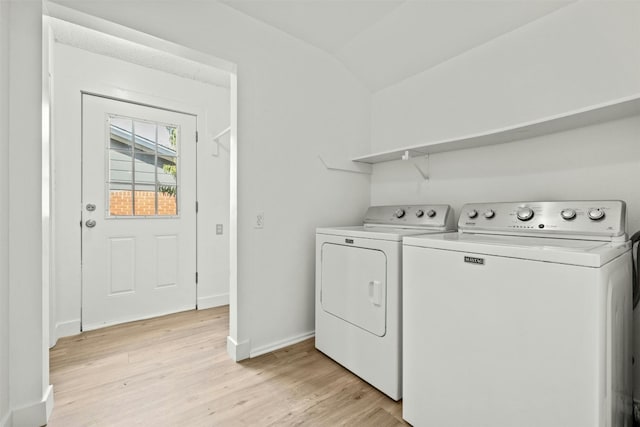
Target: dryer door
x=354, y=286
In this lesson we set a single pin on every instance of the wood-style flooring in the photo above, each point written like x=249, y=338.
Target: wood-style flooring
x=175, y=371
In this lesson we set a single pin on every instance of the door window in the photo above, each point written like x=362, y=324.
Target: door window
x=142, y=176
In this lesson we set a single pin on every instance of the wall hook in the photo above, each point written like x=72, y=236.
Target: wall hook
x=216, y=141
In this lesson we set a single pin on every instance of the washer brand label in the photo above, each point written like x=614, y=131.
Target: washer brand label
x=474, y=260
x=348, y=241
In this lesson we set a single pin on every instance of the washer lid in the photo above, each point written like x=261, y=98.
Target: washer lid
x=586, y=253
x=377, y=233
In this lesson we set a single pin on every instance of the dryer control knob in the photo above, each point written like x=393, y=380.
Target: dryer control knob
x=399, y=213
x=568, y=214
x=419, y=213
x=525, y=214
x=490, y=213
x=596, y=214
x=431, y=213
x=472, y=213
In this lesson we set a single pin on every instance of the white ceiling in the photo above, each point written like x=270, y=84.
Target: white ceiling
x=384, y=42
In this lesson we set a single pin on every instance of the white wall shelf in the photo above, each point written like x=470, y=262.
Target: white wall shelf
x=617, y=109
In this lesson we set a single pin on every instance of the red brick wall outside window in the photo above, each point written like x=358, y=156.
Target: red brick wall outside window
x=120, y=203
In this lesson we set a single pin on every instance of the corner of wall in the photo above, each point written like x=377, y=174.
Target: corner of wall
x=238, y=350
x=28, y=301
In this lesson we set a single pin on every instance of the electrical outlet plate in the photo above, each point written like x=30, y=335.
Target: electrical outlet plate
x=259, y=220
x=218, y=228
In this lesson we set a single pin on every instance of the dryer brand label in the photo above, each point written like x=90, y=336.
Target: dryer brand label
x=348, y=241
x=474, y=260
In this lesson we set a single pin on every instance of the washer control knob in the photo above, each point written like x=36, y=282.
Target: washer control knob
x=472, y=213
x=596, y=214
x=419, y=213
x=399, y=213
x=431, y=213
x=568, y=214
x=489, y=213
x=525, y=214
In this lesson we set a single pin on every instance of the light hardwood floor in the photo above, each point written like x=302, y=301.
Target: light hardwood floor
x=174, y=371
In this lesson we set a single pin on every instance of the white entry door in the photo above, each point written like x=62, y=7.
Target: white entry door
x=138, y=212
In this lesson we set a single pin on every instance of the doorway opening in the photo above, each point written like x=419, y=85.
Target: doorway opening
x=206, y=89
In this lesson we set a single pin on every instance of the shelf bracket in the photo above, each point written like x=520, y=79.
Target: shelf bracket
x=346, y=166
x=424, y=172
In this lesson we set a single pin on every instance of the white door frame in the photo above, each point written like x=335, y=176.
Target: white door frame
x=57, y=12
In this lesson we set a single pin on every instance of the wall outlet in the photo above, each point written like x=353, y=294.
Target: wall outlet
x=259, y=220
x=218, y=228
x=636, y=412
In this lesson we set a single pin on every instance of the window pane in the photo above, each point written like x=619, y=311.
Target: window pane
x=167, y=171
x=145, y=131
x=167, y=200
x=145, y=203
x=120, y=133
x=120, y=165
x=145, y=184
x=167, y=186
x=145, y=171
x=120, y=200
x=167, y=140
x=123, y=123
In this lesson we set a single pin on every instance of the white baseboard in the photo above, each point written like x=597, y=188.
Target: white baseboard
x=281, y=344
x=93, y=326
x=48, y=401
x=6, y=421
x=66, y=329
x=213, y=301
x=238, y=351
x=34, y=415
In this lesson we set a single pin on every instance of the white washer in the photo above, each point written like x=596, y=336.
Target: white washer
x=358, y=290
x=522, y=318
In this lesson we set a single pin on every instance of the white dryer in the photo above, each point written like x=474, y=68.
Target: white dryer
x=359, y=290
x=522, y=318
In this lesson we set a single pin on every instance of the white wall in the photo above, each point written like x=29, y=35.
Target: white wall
x=294, y=103
x=594, y=162
x=31, y=396
x=76, y=70
x=583, y=54
x=4, y=214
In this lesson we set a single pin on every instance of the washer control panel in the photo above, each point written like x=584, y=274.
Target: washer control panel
x=601, y=219
x=413, y=216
